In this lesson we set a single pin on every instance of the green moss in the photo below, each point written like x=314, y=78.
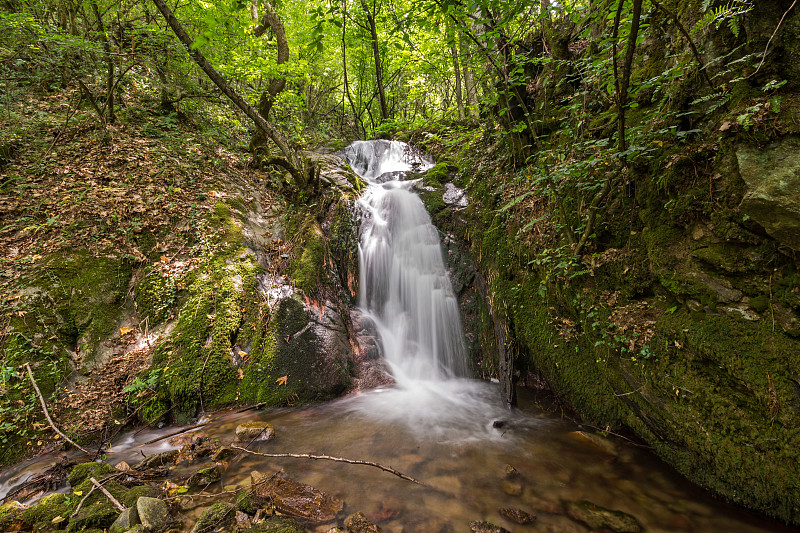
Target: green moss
x=82, y=472
x=10, y=515
x=99, y=515
x=46, y=509
x=134, y=493
x=439, y=174
x=308, y=270
x=276, y=524
x=155, y=296
x=216, y=516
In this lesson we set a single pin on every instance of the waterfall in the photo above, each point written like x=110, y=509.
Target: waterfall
x=404, y=287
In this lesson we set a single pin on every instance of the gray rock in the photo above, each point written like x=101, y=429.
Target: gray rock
x=152, y=513
x=455, y=197
x=126, y=520
x=772, y=176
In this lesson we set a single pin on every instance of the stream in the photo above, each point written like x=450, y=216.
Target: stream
x=452, y=433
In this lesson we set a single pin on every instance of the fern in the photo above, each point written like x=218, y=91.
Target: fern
x=728, y=13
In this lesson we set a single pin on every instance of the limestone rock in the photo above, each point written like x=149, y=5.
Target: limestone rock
x=152, y=513
x=358, y=523
x=254, y=432
x=772, y=176
x=597, y=517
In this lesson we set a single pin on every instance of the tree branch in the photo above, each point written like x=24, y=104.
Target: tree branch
x=47, y=413
x=336, y=459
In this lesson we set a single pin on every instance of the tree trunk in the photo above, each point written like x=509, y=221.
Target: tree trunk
x=469, y=81
x=356, y=116
x=291, y=163
x=453, y=38
x=110, y=117
x=376, y=52
x=271, y=20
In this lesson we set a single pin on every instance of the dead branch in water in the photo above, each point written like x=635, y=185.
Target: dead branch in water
x=336, y=459
x=47, y=413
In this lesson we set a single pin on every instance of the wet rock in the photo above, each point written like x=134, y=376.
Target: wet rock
x=772, y=176
x=152, y=513
x=276, y=524
x=125, y=521
x=160, y=459
x=223, y=454
x=597, y=517
x=296, y=499
x=207, y=474
x=486, y=527
x=254, y=432
x=512, y=487
x=597, y=441
x=510, y=472
x=454, y=197
x=358, y=523
x=220, y=515
x=516, y=515
x=122, y=466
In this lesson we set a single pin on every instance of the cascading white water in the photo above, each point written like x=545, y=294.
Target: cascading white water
x=404, y=286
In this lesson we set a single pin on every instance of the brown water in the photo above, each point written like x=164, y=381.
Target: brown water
x=452, y=446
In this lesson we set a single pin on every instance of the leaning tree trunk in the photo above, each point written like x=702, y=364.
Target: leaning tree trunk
x=291, y=161
x=377, y=53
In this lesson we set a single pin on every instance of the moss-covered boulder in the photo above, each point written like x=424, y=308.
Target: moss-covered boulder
x=218, y=516
x=83, y=471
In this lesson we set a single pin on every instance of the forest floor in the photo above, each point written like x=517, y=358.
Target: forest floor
x=135, y=191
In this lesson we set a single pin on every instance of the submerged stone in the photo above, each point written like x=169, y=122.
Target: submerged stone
x=157, y=460
x=296, y=499
x=597, y=517
x=486, y=527
x=358, y=523
x=516, y=515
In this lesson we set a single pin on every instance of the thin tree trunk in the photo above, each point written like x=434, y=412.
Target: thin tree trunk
x=292, y=163
x=271, y=20
x=376, y=52
x=356, y=116
x=469, y=81
x=110, y=118
x=453, y=38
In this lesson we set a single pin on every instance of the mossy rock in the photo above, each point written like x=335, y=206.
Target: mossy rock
x=83, y=471
x=155, y=295
x=47, y=509
x=134, y=493
x=219, y=515
x=11, y=516
x=276, y=524
x=98, y=515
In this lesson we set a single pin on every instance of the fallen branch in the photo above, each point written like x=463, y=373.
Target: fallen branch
x=47, y=413
x=168, y=435
x=336, y=459
x=80, y=504
x=111, y=498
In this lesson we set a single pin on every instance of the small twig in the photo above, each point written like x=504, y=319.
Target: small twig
x=764, y=57
x=47, y=413
x=111, y=498
x=336, y=459
x=80, y=504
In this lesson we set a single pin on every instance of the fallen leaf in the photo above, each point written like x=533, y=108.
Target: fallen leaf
x=124, y=331
x=282, y=380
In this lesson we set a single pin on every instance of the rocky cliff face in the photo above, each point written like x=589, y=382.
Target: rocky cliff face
x=680, y=322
